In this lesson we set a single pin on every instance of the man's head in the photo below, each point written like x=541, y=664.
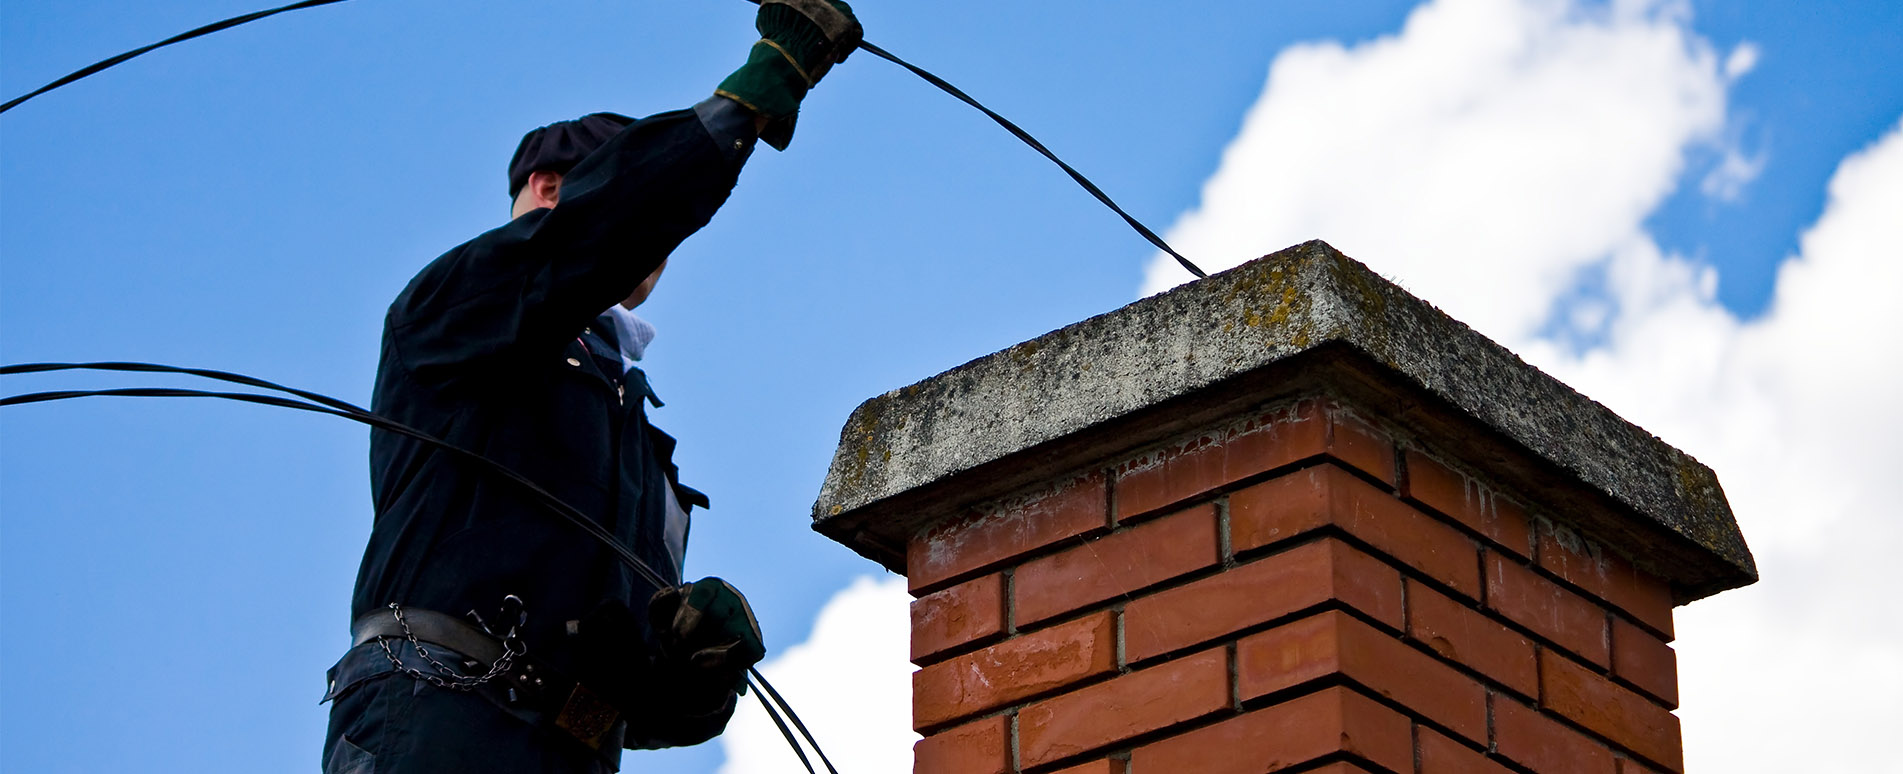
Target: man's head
x=555, y=149
x=546, y=155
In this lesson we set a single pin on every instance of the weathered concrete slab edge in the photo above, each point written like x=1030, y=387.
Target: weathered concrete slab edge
x=1172, y=345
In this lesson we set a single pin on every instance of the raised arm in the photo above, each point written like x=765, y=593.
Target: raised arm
x=528, y=287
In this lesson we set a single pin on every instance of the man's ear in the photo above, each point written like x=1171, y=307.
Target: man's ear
x=545, y=188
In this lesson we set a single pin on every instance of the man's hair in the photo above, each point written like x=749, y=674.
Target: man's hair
x=559, y=146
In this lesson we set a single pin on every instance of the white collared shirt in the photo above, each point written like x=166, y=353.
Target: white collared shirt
x=632, y=333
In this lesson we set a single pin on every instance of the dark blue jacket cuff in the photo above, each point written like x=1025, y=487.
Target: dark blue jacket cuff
x=731, y=126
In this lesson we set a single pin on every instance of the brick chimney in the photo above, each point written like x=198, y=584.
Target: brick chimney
x=1288, y=518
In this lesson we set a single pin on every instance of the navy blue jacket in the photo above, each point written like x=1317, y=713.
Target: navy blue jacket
x=483, y=349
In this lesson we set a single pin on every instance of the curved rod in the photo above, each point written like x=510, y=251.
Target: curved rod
x=326, y=405
x=179, y=38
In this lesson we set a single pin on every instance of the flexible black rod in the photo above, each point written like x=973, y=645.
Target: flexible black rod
x=338, y=408
x=784, y=731
x=548, y=499
x=869, y=48
x=1018, y=132
x=793, y=716
x=179, y=38
x=207, y=373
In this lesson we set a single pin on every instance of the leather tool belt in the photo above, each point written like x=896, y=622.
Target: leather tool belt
x=529, y=689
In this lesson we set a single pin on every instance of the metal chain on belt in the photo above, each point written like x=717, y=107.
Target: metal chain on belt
x=448, y=677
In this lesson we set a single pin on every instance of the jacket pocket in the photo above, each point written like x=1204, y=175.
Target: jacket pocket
x=347, y=758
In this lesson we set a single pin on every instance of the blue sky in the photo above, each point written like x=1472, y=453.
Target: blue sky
x=174, y=576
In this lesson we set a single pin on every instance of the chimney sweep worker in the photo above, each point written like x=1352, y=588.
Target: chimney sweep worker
x=490, y=635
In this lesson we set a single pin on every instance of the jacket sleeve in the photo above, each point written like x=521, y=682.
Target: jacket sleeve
x=528, y=287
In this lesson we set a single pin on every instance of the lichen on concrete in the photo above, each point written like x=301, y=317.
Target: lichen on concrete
x=993, y=421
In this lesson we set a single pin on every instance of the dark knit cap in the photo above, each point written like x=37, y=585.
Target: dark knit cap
x=559, y=146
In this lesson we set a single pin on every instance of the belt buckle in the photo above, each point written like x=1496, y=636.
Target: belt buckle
x=586, y=717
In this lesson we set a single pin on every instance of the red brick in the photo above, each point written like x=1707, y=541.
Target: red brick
x=1327, y=722
x=978, y=747
x=1334, y=643
x=1645, y=661
x=1134, y=704
x=1170, y=475
x=1116, y=565
x=1607, y=576
x=1525, y=737
x=1258, y=592
x=1164, y=478
x=1555, y=614
x=1461, y=634
x=1441, y=755
x=1463, y=499
x=1359, y=445
x=1005, y=530
x=1014, y=669
x=1624, y=717
x=965, y=613
x=1279, y=438
x=1105, y=766
x=1326, y=495
x=1629, y=766
x=1282, y=437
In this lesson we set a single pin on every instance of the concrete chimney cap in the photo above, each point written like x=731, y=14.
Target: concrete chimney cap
x=1305, y=320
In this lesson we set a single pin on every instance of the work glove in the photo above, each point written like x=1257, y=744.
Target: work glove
x=709, y=638
x=800, y=40
x=679, y=687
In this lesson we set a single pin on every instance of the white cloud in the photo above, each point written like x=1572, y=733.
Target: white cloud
x=1494, y=154
x=850, y=682
x=1489, y=157
x=1736, y=167
x=1735, y=170
x=1490, y=144
x=1742, y=59
x=1797, y=412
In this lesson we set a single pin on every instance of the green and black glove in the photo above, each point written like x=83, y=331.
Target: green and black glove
x=681, y=687
x=707, y=629
x=800, y=40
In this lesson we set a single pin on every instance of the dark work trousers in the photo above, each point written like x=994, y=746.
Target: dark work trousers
x=391, y=723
